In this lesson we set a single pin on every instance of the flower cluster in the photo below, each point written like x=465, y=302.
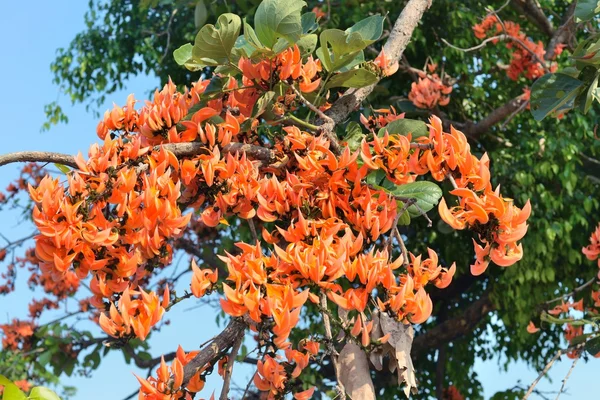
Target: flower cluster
x=287, y=66
x=526, y=55
x=168, y=383
x=430, y=90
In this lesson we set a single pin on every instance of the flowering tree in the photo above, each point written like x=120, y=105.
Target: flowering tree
x=273, y=146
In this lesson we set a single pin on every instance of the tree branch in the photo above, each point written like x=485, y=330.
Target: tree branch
x=535, y=14
x=179, y=149
x=223, y=341
x=474, y=130
x=38, y=156
x=394, y=47
x=453, y=328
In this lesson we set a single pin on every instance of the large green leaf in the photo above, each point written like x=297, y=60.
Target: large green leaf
x=275, y=19
x=183, y=56
x=309, y=22
x=200, y=14
x=427, y=195
x=586, y=9
x=404, y=127
x=11, y=391
x=370, y=28
x=340, y=48
x=355, y=78
x=551, y=92
x=42, y=393
x=307, y=43
x=213, y=43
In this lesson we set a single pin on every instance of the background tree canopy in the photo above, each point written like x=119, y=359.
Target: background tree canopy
x=554, y=163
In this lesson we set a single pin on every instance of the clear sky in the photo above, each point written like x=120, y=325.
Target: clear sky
x=30, y=33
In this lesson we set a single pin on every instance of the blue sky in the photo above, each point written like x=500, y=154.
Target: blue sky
x=29, y=37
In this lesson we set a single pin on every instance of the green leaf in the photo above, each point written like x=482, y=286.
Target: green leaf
x=579, y=339
x=370, y=28
x=44, y=358
x=586, y=9
x=355, y=78
x=358, y=59
x=307, y=44
x=592, y=346
x=591, y=95
x=42, y=393
x=214, y=43
x=252, y=40
x=262, y=103
x=354, y=136
x=183, y=54
x=376, y=178
x=339, y=48
x=200, y=14
x=309, y=22
x=427, y=195
x=11, y=391
x=404, y=127
x=275, y=19
x=404, y=218
x=62, y=168
x=552, y=92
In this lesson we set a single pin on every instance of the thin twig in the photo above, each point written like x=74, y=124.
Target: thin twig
x=564, y=382
x=479, y=46
x=514, y=114
x=253, y=230
x=229, y=370
x=310, y=105
x=544, y=372
x=331, y=348
x=577, y=289
x=452, y=181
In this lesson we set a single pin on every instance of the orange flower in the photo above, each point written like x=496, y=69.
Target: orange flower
x=531, y=328
x=203, y=280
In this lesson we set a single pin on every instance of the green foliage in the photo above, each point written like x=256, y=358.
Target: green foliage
x=405, y=126
x=12, y=392
x=586, y=9
x=552, y=93
x=279, y=19
x=214, y=43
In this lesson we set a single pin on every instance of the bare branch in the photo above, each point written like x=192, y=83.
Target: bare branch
x=577, y=289
x=544, y=372
x=179, y=149
x=331, y=349
x=564, y=382
x=223, y=341
x=535, y=14
x=38, y=156
x=229, y=370
x=455, y=327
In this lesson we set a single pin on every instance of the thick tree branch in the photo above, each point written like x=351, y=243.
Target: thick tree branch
x=394, y=47
x=535, y=14
x=179, y=149
x=453, y=328
x=562, y=34
x=223, y=341
x=38, y=156
x=474, y=130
